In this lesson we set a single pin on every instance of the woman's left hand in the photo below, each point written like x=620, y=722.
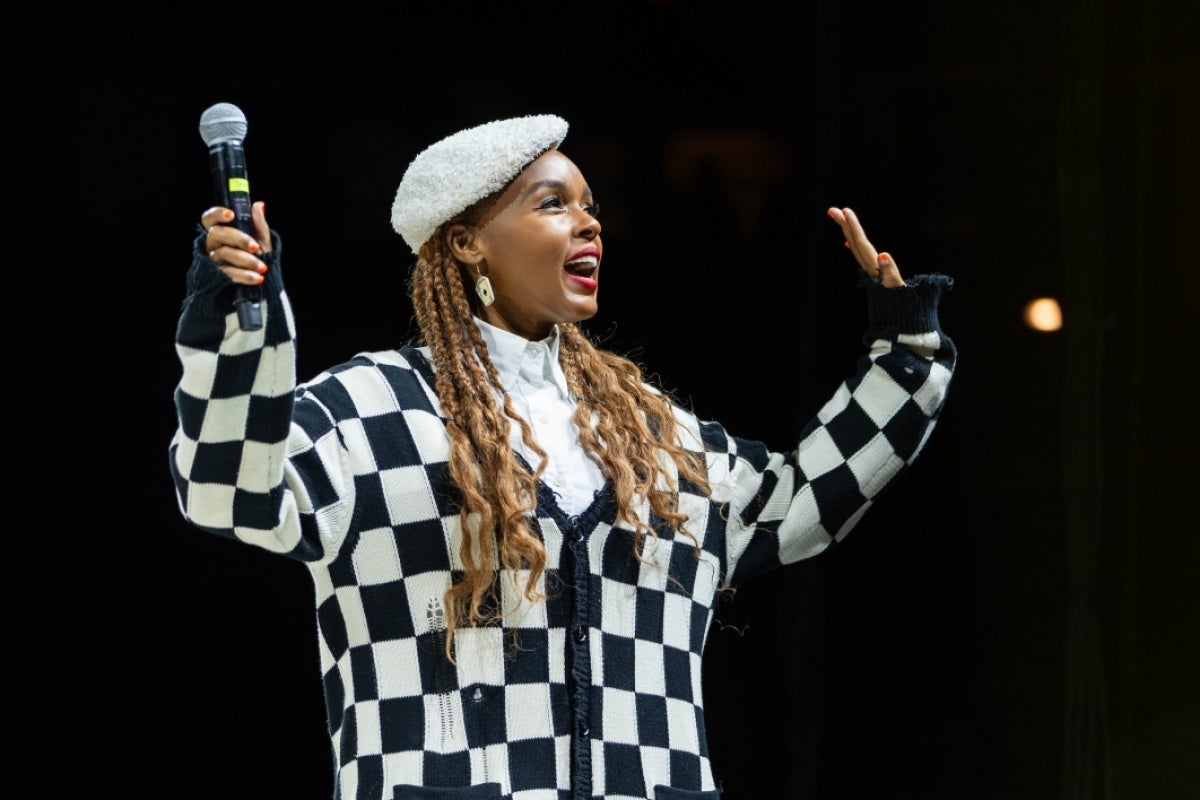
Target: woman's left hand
x=877, y=265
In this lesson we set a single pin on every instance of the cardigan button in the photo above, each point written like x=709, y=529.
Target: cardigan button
x=580, y=634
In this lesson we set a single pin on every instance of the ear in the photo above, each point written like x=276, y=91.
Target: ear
x=462, y=242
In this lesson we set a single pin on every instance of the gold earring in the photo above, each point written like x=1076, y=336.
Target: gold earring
x=483, y=288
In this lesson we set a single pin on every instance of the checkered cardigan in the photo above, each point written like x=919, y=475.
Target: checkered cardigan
x=602, y=697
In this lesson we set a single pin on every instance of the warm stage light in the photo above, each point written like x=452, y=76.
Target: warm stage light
x=1043, y=314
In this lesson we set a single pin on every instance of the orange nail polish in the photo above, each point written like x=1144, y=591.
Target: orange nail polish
x=884, y=257
x=228, y=215
x=261, y=268
x=254, y=247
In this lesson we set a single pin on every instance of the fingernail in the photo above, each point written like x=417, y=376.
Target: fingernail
x=228, y=215
x=261, y=268
x=845, y=244
x=259, y=279
x=829, y=212
x=884, y=258
x=255, y=247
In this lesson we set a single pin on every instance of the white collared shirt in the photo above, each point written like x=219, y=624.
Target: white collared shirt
x=535, y=383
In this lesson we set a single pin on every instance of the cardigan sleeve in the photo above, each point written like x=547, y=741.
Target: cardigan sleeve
x=249, y=459
x=786, y=506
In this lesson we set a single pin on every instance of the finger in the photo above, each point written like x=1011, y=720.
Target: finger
x=889, y=273
x=244, y=276
x=238, y=265
x=236, y=254
x=258, y=213
x=864, y=252
x=220, y=233
x=215, y=216
x=232, y=244
x=231, y=260
x=856, y=239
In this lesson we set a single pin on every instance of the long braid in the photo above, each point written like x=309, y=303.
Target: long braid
x=497, y=494
x=636, y=426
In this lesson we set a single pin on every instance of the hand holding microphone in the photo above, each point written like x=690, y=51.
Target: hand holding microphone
x=237, y=228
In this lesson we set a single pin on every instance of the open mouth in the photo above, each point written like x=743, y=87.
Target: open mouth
x=583, y=270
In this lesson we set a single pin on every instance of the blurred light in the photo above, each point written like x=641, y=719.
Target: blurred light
x=1043, y=314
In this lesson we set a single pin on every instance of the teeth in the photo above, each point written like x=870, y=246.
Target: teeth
x=586, y=261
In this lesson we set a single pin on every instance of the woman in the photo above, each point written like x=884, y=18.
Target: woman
x=516, y=542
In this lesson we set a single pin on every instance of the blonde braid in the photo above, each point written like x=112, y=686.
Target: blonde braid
x=497, y=493
x=636, y=426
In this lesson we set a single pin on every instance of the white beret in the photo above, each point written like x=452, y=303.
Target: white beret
x=450, y=175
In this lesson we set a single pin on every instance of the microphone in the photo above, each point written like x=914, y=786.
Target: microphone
x=223, y=128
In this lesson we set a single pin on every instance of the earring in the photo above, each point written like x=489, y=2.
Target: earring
x=483, y=288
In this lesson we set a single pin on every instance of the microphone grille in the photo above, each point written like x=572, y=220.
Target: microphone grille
x=221, y=122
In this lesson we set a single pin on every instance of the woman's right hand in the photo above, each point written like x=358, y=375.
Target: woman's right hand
x=236, y=253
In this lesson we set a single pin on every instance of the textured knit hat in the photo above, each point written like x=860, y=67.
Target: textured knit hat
x=467, y=166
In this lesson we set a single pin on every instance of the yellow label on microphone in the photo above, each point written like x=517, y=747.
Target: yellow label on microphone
x=239, y=185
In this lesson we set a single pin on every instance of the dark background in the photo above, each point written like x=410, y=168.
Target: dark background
x=1016, y=619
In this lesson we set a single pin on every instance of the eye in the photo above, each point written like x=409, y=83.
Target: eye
x=593, y=209
x=553, y=201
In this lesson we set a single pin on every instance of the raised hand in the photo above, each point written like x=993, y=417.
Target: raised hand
x=236, y=253
x=878, y=265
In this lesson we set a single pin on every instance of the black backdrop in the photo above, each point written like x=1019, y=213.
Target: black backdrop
x=1015, y=619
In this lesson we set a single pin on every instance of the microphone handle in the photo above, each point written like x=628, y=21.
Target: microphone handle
x=231, y=187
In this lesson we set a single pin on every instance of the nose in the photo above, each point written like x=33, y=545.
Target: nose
x=586, y=225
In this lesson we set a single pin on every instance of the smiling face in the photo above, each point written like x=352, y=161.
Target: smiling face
x=539, y=245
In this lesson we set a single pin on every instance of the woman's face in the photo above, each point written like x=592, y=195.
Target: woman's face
x=539, y=245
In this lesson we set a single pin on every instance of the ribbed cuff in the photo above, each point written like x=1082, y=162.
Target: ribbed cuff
x=912, y=308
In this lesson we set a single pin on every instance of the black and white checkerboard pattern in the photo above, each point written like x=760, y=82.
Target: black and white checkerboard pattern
x=594, y=693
